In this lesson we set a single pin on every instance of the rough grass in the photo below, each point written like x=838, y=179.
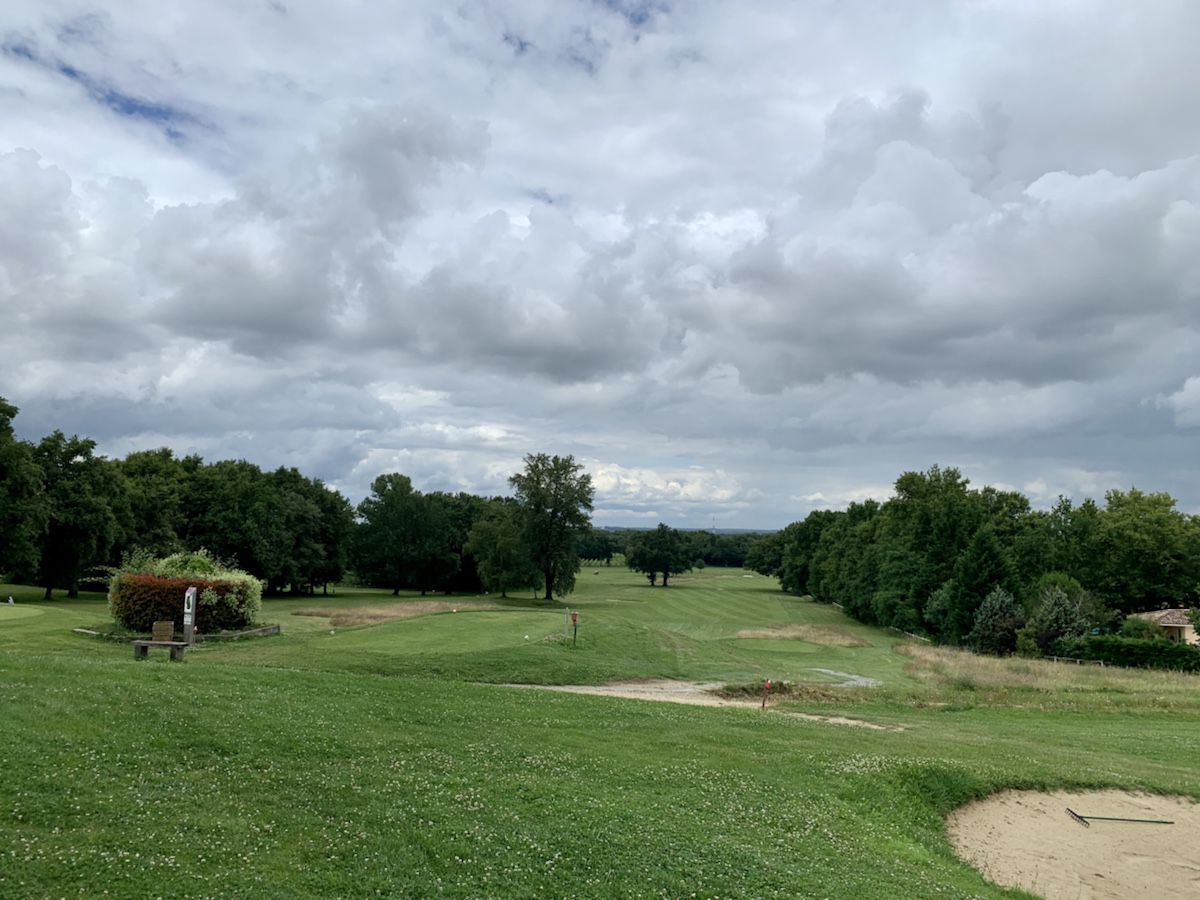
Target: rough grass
x=832, y=635
x=955, y=675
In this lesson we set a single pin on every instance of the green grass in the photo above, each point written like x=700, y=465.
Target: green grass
x=389, y=760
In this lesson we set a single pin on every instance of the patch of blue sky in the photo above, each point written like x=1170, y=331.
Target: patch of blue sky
x=120, y=102
x=544, y=196
x=126, y=104
x=16, y=47
x=636, y=12
x=519, y=44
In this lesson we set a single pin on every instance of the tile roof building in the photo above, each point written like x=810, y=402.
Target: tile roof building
x=1176, y=622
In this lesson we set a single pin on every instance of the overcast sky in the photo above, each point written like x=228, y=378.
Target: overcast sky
x=741, y=259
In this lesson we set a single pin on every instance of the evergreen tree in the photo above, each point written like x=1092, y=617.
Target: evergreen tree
x=999, y=617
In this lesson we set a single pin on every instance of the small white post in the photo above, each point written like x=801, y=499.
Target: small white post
x=189, y=615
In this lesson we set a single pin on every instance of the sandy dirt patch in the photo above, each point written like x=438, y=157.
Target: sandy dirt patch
x=696, y=693
x=1027, y=839
x=842, y=720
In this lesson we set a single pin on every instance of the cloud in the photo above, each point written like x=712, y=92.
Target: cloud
x=744, y=263
x=1185, y=403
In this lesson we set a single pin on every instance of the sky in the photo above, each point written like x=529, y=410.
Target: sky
x=742, y=260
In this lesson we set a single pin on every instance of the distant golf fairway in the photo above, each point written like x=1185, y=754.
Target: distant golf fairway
x=389, y=760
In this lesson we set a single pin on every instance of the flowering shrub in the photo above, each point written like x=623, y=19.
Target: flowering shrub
x=145, y=591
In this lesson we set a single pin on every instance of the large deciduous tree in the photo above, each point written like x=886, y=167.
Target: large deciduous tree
x=156, y=482
x=23, y=509
x=800, y=540
x=497, y=544
x=1149, y=552
x=236, y=511
x=87, y=506
x=663, y=551
x=384, y=551
x=555, y=496
x=317, y=521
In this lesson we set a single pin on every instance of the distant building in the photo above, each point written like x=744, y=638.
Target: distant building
x=1176, y=622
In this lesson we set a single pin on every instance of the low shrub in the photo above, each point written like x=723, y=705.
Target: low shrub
x=1137, y=653
x=1142, y=629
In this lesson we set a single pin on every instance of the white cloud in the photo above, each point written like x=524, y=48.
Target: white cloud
x=743, y=262
x=1185, y=403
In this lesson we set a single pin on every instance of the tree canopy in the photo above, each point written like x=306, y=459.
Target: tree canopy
x=927, y=558
x=24, y=508
x=663, y=551
x=555, y=495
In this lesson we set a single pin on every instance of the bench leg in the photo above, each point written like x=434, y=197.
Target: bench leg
x=139, y=652
x=176, y=653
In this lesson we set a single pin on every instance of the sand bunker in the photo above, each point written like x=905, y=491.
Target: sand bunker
x=1028, y=839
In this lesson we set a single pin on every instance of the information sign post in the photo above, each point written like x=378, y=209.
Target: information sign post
x=189, y=615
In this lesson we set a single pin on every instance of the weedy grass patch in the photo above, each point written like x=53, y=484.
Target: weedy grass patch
x=832, y=635
x=368, y=760
x=373, y=615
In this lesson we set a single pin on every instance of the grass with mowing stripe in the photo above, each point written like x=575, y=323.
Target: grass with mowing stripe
x=368, y=762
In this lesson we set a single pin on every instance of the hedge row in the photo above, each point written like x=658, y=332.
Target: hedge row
x=1136, y=653
x=138, y=600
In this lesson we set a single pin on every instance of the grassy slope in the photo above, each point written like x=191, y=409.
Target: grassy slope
x=355, y=764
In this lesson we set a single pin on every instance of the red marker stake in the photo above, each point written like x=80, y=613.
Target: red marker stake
x=766, y=688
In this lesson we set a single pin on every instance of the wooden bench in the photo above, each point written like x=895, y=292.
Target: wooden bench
x=160, y=636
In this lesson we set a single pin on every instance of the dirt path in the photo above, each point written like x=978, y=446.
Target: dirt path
x=1027, y=839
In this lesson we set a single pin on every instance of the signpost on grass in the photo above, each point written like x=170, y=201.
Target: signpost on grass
x=575, y=626
x=190, y=616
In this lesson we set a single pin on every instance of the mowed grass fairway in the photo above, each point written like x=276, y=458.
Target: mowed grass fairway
x=388, y=759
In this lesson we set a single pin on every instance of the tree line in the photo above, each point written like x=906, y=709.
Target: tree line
x=666, y=550
x=68, y=513
x=925, y=560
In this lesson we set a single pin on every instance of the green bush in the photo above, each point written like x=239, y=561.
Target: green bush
x=145, y=590
x=1142, y=629
x=199, y=564
x=1135, y=653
